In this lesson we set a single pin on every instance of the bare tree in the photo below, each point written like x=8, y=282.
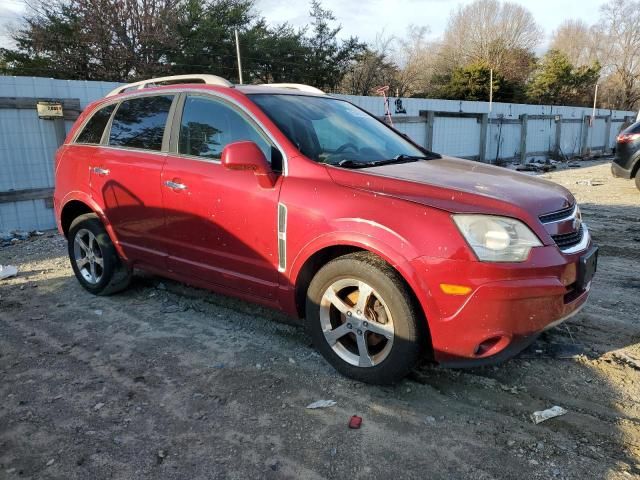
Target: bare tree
x=578, y=41
x=620, y=51
x=416, y=58
x=489, y=31
x=372, y=69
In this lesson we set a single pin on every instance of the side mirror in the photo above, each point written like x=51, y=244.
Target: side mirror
x=246, y=155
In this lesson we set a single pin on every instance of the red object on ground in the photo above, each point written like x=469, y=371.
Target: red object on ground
x=355, y=422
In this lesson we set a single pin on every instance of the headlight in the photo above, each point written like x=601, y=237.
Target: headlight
x=497, y=239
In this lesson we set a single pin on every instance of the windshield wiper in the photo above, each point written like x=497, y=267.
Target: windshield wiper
x=401, y=158
x=346, y=163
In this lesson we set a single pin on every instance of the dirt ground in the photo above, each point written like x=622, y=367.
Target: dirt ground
x=166, y=381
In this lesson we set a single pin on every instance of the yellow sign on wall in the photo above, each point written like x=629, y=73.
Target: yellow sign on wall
x=49, y=109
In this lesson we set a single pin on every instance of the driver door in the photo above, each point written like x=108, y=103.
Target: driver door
x=221, y=225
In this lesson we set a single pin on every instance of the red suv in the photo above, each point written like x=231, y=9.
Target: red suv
x=291, y=198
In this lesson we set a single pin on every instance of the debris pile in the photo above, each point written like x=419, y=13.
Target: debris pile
x=15, y=236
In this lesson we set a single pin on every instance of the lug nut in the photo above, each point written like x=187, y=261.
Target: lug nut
x=348, y=314
x=359, y=332
x=349, y=326
x=359, y=312
x=365, y=324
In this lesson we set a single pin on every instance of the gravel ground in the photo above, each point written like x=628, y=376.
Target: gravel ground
x=167, y=381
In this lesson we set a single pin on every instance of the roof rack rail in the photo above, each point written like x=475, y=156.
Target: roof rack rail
x=174, y=79
x=295, y=86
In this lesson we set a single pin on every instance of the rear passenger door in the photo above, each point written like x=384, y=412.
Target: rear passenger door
x=126, y=173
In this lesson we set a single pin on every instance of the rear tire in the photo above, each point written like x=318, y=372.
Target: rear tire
x=363, y=319
x=93, y=257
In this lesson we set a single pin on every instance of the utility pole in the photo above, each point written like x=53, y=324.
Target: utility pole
x=490, y=90
x=238, y=54
x=595, y=101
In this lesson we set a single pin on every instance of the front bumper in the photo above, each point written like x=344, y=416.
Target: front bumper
x=508, y=307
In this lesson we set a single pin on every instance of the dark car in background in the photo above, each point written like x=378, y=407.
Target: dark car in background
x=627, y=160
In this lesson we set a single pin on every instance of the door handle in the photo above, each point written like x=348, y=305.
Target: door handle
x=175, y=185
x=100, y=171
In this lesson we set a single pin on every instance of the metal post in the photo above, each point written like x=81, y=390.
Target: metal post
x=558, y=145
x=524, y=120
x=61, y=132
x=584, y=141
x=429, y=139
x=484, y=122
x=238, y=55
x=607, y=134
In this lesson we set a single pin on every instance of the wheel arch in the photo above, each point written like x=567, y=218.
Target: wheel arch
x=70, y=211
x=75, y=205
x=636, y=165
x=321, y=256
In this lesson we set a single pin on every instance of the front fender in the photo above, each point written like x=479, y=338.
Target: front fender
x=398, y=254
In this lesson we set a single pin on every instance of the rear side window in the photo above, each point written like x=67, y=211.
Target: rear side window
x=93, y=130
x=140, y=122
x=208, y=126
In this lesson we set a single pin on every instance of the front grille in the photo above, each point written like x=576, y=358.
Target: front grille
x=558, y=215
x=569, y=240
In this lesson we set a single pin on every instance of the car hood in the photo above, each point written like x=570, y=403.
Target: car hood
x=460, y=186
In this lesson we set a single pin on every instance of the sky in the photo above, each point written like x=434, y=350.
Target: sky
x=367, y=18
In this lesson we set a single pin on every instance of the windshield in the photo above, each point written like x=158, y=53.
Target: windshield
x=336, y=132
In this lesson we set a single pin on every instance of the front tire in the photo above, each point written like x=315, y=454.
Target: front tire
x=93, y=257
x=638, y=180
x=363, y=320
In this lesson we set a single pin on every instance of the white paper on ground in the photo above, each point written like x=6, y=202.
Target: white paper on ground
x=7, y=271
x=322, y=404
x=542, y=415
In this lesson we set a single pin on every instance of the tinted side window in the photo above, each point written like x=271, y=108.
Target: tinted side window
x=92, y=132
x=208, y=126
x=140, y=122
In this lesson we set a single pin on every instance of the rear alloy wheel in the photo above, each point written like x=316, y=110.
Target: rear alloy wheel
x=363, y=320
x=93, y=257
x=88, y=256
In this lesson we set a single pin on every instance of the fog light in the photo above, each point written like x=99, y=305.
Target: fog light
x=451, y=289
x=487, y=345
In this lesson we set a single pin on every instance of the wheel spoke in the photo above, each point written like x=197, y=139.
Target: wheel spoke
x=99, y=261
x=92, y=241
x=363, y=351
x=337, y=333
x=330, y=294
x=81, y=262
x=381, y=329
x=81, y=244
x=364, y=293
x=93, y=271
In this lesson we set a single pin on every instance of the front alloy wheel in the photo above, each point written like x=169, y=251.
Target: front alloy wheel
x=363, y=319
x=356, y=323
